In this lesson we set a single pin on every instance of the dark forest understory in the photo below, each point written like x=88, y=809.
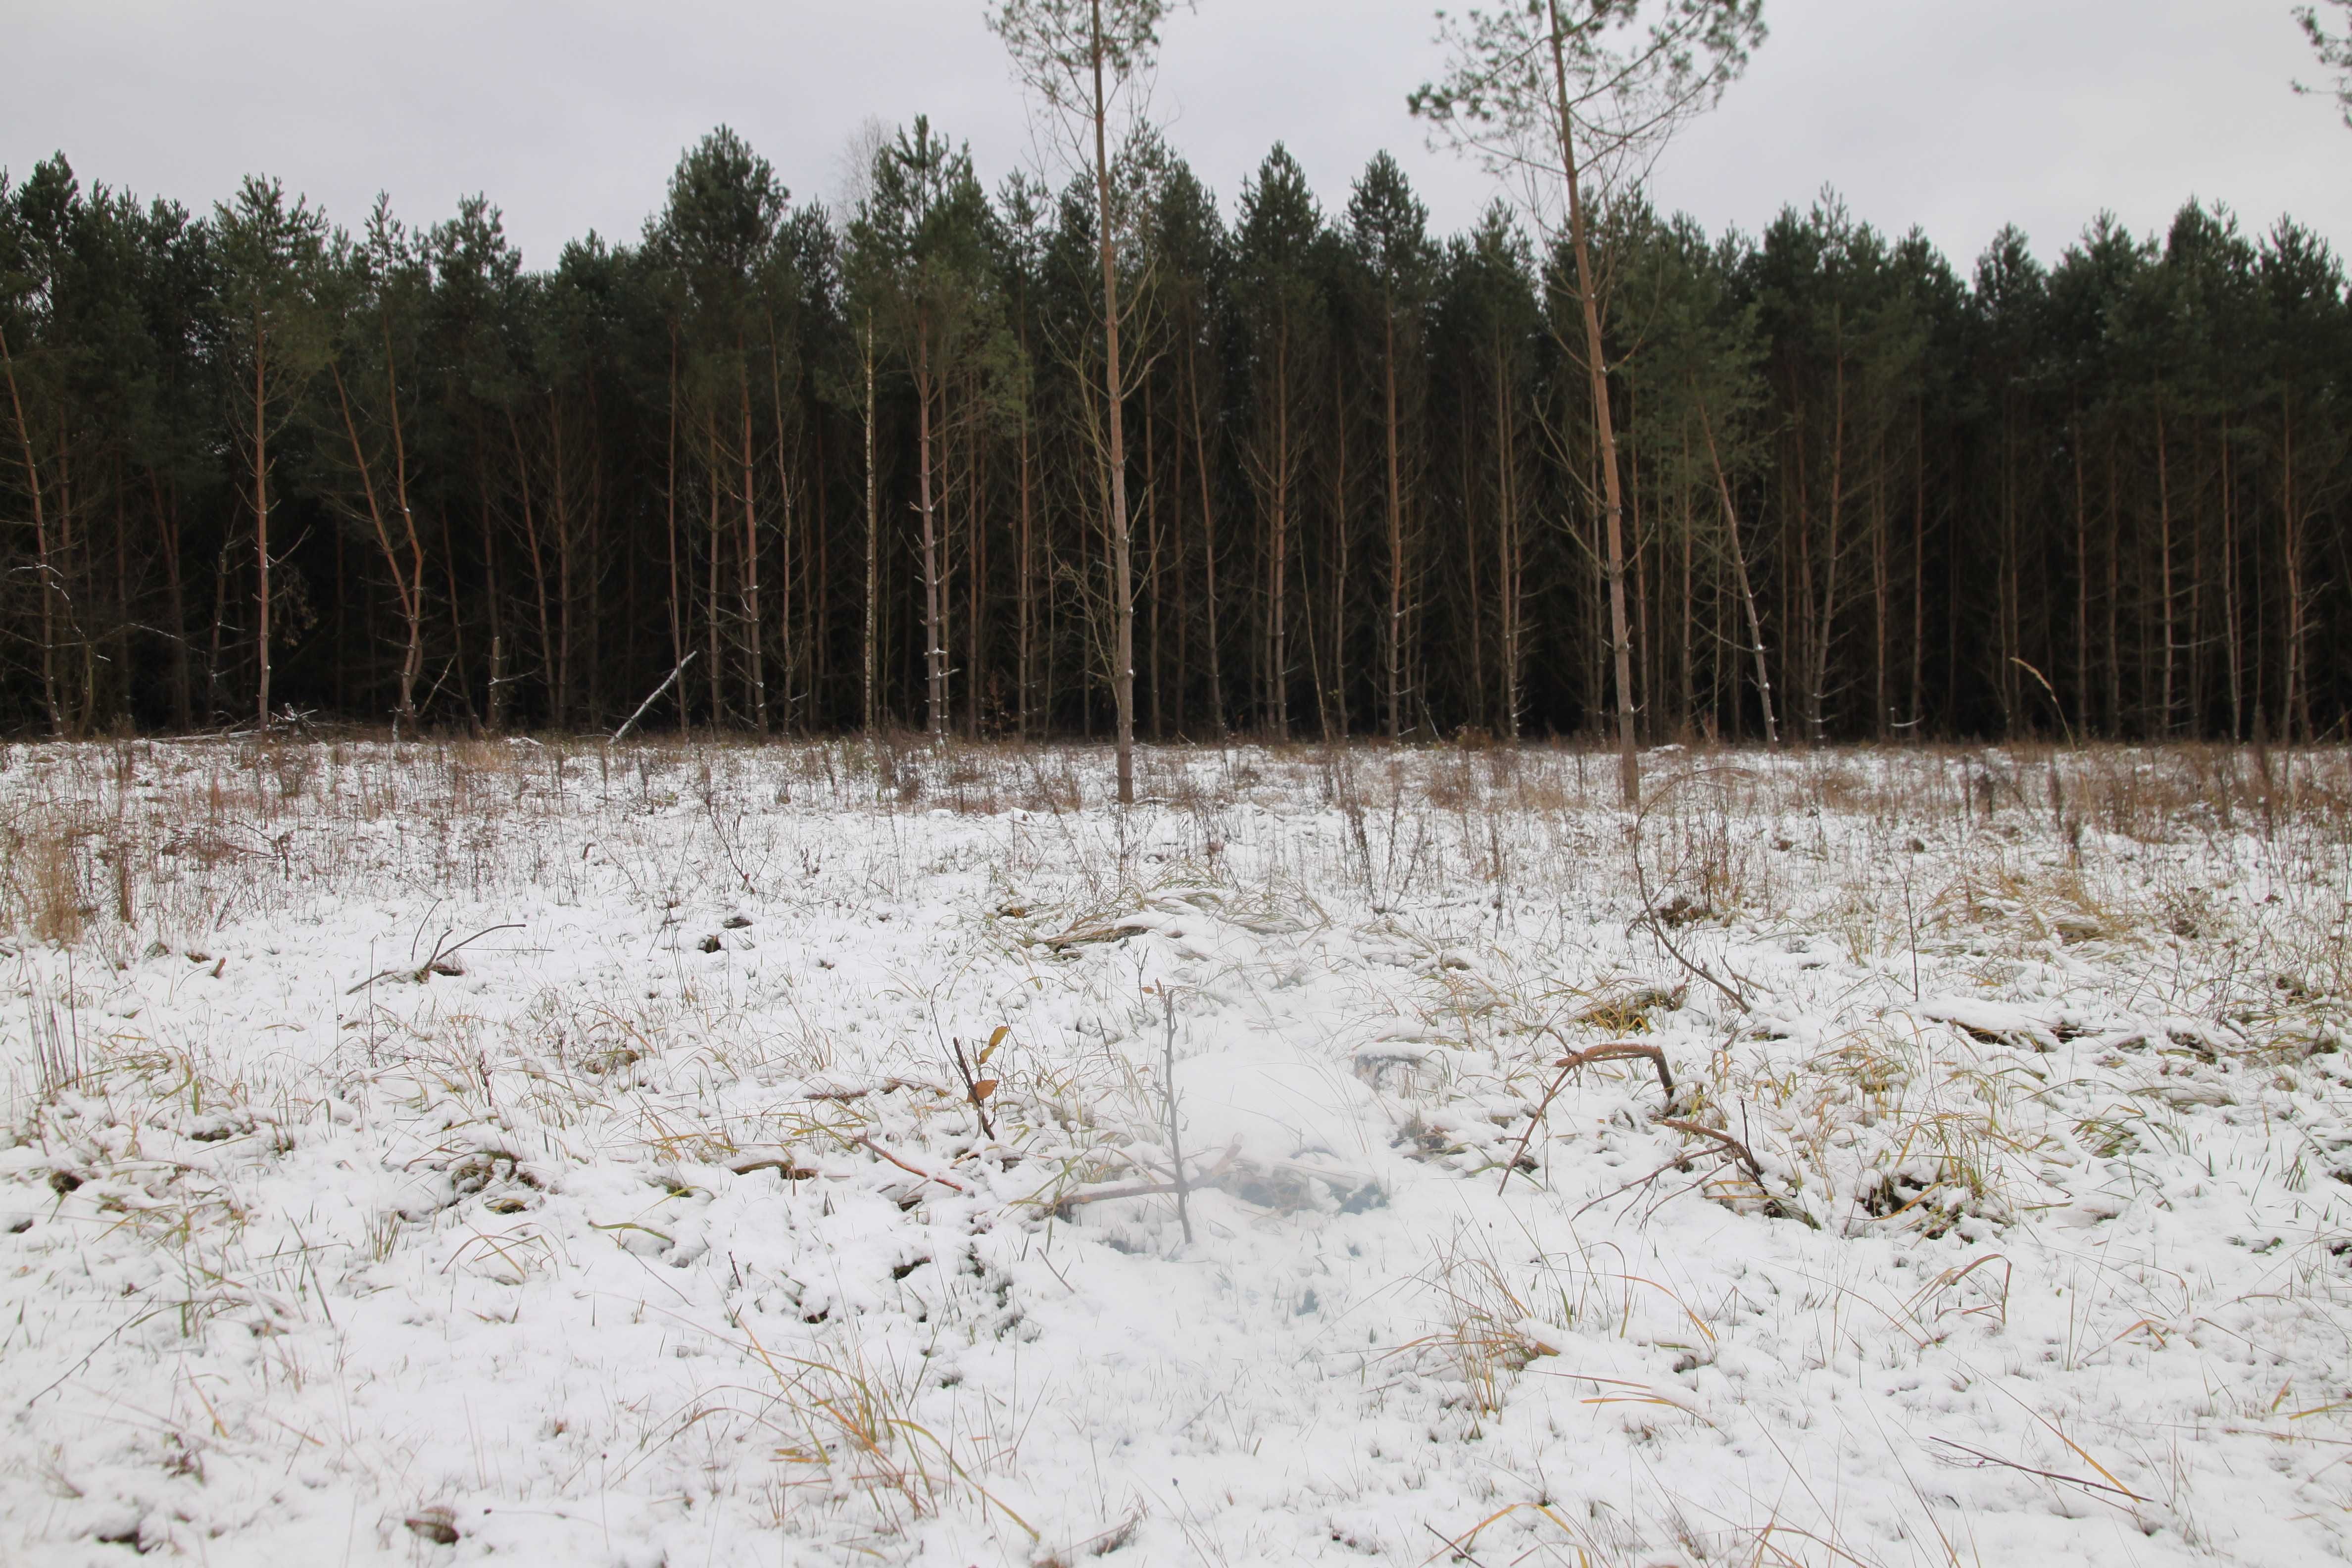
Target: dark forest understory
x=845, y=467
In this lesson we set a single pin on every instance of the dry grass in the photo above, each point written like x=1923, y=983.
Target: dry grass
x=2214, y=879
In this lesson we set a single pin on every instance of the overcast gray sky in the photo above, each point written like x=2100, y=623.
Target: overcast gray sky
x=1958, y=115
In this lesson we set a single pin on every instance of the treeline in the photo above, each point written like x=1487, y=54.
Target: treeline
x=846, y=467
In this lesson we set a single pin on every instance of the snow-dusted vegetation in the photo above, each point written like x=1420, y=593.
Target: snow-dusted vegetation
x=841, y=1154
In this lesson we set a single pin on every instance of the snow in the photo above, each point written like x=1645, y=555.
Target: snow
x=595, y=1246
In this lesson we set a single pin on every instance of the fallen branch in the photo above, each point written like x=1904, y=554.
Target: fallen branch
x=1180, y=1188
x=432, y=966
x=1746, y=1158
x=872, y=1148
x=631, y=722
x=1984, y=1458
x=1679, y=1160
x=789, y=1172
x=1616, y=1050
x=843, y=1096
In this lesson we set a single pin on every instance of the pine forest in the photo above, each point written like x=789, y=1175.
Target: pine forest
x=841, y=465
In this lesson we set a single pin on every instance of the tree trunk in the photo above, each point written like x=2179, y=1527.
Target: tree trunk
x=935, y=654
x=2296, y=713
x=41, y=562
x=1747, y=592
x=676, y=608
x=754, y=629
x=1506, y=538
x=1628, y=774
x=784, y=535
x=1208, y=536
x=873, y=542
x=167, y=528
x=261, y=517
x=1122, y=566
x=1396, y=535
x=2164, y=556
x=538, y=563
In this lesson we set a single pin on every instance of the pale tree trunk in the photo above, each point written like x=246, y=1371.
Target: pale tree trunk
x=498, y=682
x=261, y=514
x=538, y=563
x=677, y=609
x=1396, y=539
x=1028, y=604
x=2297, y=712
x=560, y=530
x=167, y=527
x=753, y=628
x=1480, y=711
x=41, y=562
x=1883, y=715
x=2164, y=549
x=2232, y=629
x=1332, y=693
x=935, y=656
x=784, y=537
x=1918, y=568
x=412, y=602
x=1152, y=534
x=1208, y=535
x=873, y=539
x=2082, y=581
x=1122, y=564
x=1817, y=689
x=1507, y=543
x=406, y=710
x=1747, y=589
x=1277, y=647
x=711, y=630
x=1628, y=774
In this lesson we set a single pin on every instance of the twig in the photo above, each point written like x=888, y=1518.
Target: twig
x=1183, y=1183
x=1456, y=1549
x=871, y=1147
x=440, y=955
x=1747, y=1157
x=1629, y=1186
x=843, y=1096
x=1737, y=997
x=791, y=1171
x=976, y=1089
x=1168, y=1092
x=1616, y=1050
x=2031, y=1471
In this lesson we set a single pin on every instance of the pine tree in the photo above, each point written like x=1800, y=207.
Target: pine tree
x=1565, y=90
x=2334, y=50
x=1389, y=228
x=275, y=260
x=1079, y=57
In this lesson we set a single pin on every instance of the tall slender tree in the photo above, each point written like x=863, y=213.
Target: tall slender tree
x=274, y=260
x=1570, y=95
x=1081, y=58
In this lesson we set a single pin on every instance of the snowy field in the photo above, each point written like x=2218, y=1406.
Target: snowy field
x=820, y=1154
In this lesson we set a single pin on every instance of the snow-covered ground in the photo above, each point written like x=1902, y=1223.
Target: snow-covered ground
x=555, y=1156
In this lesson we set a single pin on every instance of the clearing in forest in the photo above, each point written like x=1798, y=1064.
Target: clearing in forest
x=841, y=1152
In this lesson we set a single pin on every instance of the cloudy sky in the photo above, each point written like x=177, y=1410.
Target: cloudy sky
x=1957, y=115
